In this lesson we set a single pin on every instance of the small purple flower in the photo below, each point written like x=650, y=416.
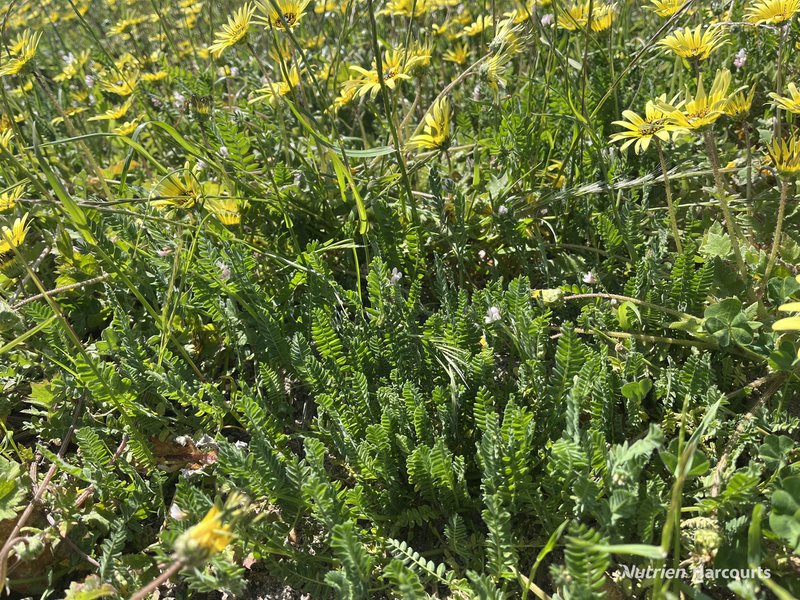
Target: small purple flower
x=548, y=19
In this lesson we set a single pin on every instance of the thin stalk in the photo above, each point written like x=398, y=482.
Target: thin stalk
x=158, y=581
x=730, y=224
x=779, y=80
x=670, y=534
x=749, y=150
x=776, y=238
x=390, y=118
x=644, y=303
x=673, y=218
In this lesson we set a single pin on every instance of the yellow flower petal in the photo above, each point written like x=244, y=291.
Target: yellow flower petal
x=787, y=324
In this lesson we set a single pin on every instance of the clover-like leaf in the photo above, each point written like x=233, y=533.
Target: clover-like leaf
x=784, y=519
x=12, y=492
x=637, y=390
x=780, y=289
x=775, y=450
x=783, y=356
x=728, y=323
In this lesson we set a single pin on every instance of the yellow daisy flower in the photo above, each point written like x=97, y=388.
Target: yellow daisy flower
x=790, y=104
x=10, y=239
x=156, y=76
x=278, y=89
x=8, y=199
x=785, y=155
x=113, y=114
x=69, y=112
x=234, y=31
x=641, y=131
x=184, y=191
x=405, y=8
x=518, y=15
x=598, y=16
x=493, y=71
x=290, y=11
x=457, y=54
x=128, y=127
x=739, y=104
x=330, y=6
x=694, y=44
x=436, y=131
x=554, y=174
x=205, y=539
x=347, y=92
x=121, y=26
x=121, y=87
x=394, y=70
x=226, y=209
x=507, y=37
x=702, y=109
x=482, y=23
x=666, y=8
x=772, y=12
x=21, y=51
x=419, y=55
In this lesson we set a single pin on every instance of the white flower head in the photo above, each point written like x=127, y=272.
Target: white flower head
x=176, y=513
x=492, y=315
x=740, y=59
x=395, y=277
x=589, y=278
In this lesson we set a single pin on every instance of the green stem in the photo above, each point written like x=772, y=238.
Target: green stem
x=749, y=167
x=730, y=224
x=776, y=238
x=673, y=219
x=670, y=534
x=390, y=118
